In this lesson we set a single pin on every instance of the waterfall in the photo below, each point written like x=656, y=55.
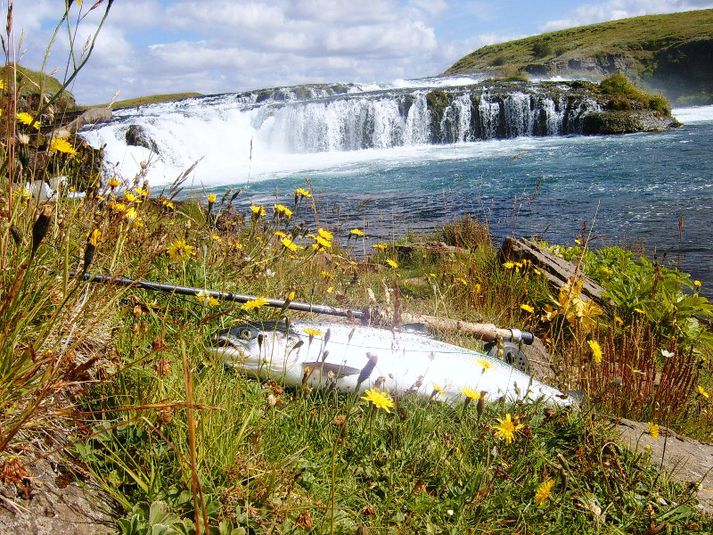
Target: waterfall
x=331, y=118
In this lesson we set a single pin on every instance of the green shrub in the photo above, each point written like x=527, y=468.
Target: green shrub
x=622, y=90
x=619, y=85
x=541, y=49
x=660, y=104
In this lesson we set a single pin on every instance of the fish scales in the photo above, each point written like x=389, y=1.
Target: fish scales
x=355, y=358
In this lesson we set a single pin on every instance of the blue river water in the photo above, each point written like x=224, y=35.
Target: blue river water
x=652, y=191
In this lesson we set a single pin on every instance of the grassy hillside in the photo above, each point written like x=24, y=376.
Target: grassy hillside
x=31, y=83
x=152, y=99
x=672, y=53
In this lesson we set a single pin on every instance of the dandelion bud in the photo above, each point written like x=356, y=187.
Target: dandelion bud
x=165, y=415
x=88, y=256
x=367, y=369
x=481, y=404
x=16, y=236
x=40, y=228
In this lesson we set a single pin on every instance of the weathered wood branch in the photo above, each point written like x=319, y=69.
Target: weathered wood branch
x=556, y=270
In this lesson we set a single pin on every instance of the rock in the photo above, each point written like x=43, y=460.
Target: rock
x=688, y=461
x=136, y=136
x=626, y=122
x=57, y=504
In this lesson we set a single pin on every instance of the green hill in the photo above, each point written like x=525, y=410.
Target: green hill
x=30, y=84
x=670, y=53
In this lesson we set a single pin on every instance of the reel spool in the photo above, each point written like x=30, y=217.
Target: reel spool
x=512, y=355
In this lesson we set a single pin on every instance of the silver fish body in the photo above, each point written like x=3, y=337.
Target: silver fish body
x=355, y=358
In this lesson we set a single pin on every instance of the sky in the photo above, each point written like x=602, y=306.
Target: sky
x=217, y=46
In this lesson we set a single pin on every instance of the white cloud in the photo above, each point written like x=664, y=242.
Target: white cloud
x=620, y=9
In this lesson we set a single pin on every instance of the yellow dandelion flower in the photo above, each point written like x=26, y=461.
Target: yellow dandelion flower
x=506, y=429
x=143, y=192
x=380, y=246
x=697, y=283
x=596, y=351
x=393, y=263
x=279, y=234
x=527, y=308
x=309, y=331
x=287, y=243
x=258, y=211
x=291, y=296
x=117, y=206
x=131, y=214
x=330, y=290
x=509, y=265
x=322, y=243
x=470, y=393
x=485, y=364
x=461, y=280
x=326, y=274
x=130, y=197
x=216, y=238
x=325, y=234
x=113, y=183
x=179, y=249
x=543, y=492
x=168, y=204
x=356, y=232
x=438, y=389
x=380, y=400
x=255, y=303
x=618, y=320
x=211, y=198
x=702, y=391
x=302, y=192
x=281, y=209
x=94, y=237
x=204, y=298
x=27, y=119
x=62, y=145
x=653, y=430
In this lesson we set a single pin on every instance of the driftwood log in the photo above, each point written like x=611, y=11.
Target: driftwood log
x=556, y=270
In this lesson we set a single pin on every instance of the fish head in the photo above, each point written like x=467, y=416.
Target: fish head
x=254, y=345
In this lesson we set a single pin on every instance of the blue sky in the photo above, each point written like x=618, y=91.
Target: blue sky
x=211, y=46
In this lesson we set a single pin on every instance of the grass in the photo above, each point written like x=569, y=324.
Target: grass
x=122, y=381
x=148, y=99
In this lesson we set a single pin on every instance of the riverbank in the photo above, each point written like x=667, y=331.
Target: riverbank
x=159, y=423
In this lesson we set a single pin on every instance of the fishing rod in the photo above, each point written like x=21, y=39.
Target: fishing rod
x=485, y=331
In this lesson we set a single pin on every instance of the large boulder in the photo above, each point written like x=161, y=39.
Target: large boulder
x=136, y=136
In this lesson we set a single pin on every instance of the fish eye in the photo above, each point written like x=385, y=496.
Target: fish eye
x=245, y=334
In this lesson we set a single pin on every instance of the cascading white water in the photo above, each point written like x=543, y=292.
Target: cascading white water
x=230, y=132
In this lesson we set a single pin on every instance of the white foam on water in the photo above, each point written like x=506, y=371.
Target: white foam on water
x=256, y=135
x=694, y=114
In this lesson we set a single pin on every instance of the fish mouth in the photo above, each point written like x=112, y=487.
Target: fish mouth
x=235, y=352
